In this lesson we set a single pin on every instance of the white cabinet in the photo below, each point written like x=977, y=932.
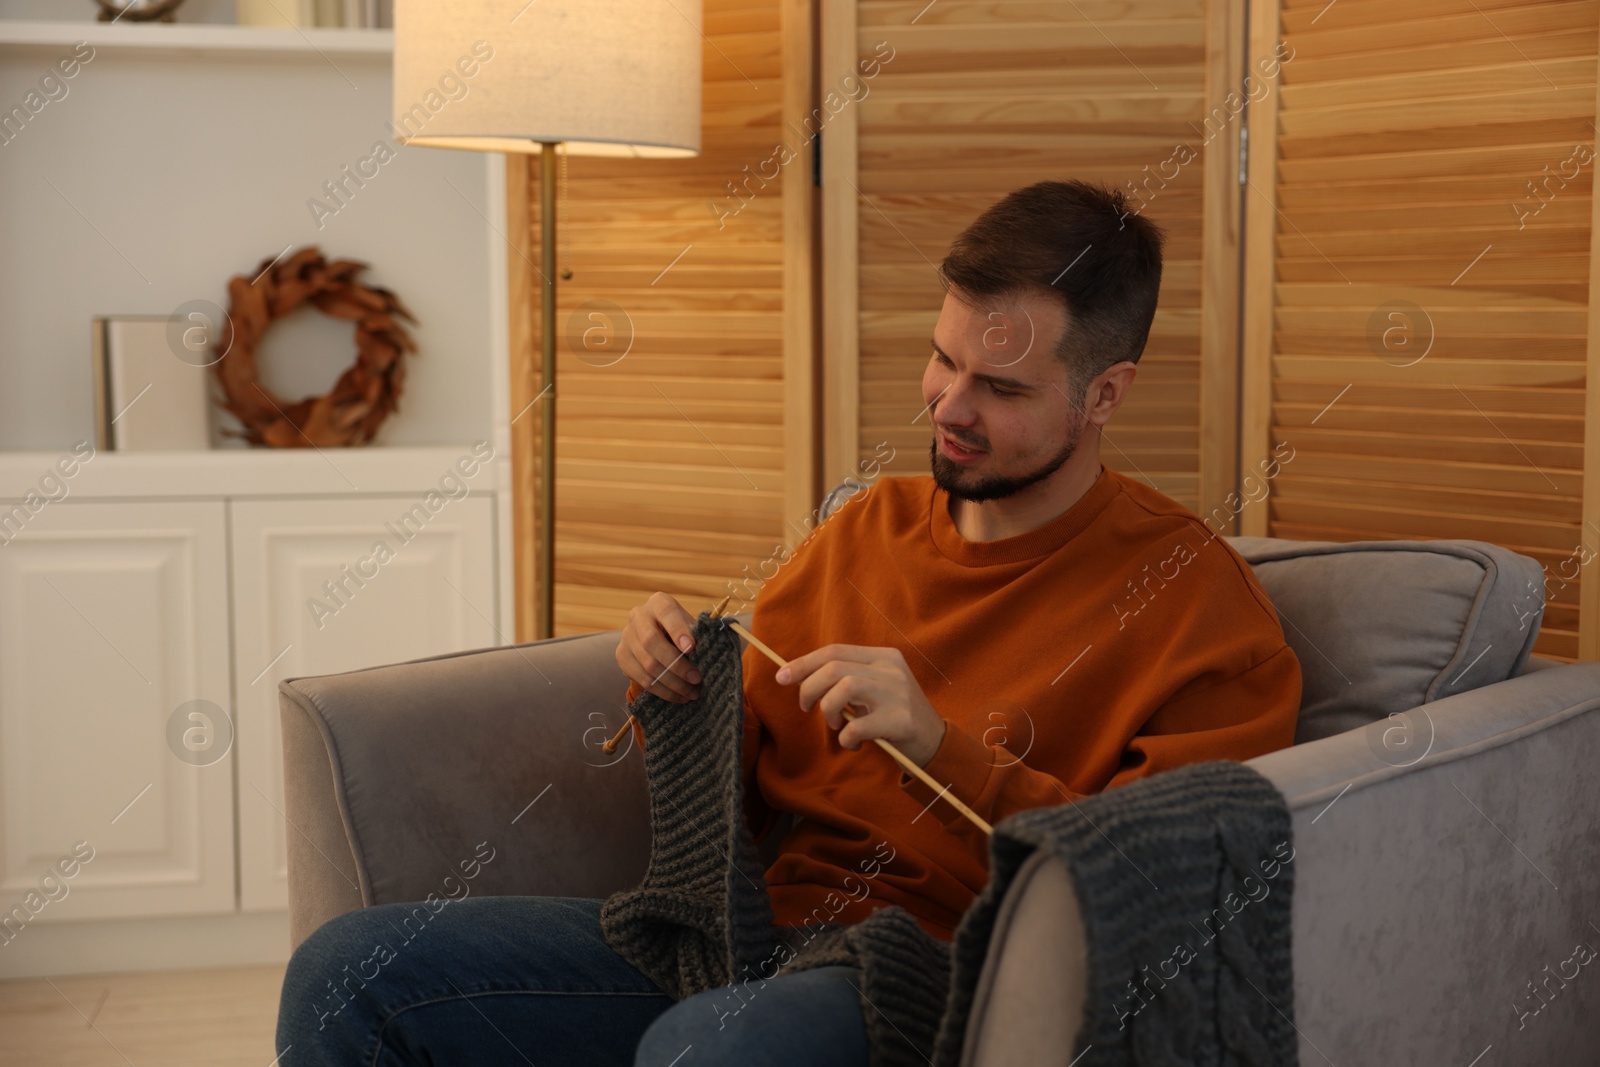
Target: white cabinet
x=322, y=586
x=112, y=616
x=154, y=581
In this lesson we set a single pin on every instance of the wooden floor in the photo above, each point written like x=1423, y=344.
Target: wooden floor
x=219, y=1018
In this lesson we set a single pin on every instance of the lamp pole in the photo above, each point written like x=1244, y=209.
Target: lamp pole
x=547, y=375
x=618, y=78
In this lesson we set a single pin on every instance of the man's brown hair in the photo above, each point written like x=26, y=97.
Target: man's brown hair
x=1079, y=241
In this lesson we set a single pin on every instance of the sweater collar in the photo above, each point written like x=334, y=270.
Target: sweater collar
x=1039, y=541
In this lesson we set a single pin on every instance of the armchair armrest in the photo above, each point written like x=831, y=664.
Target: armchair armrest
x=394, y=775
x=1462, y=869
x=1441, y=886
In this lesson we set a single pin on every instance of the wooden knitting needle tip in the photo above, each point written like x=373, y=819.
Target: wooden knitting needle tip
x=899, y=757
x=610, y=745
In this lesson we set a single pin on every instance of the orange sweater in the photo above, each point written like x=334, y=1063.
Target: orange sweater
x=1117, y=640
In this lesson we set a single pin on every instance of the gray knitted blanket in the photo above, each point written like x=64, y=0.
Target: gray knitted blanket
x=1184, y=882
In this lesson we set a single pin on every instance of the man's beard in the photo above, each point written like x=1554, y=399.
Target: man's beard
x=949, y=475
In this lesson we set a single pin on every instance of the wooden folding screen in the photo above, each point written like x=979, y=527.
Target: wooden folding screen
x=969, y=100
x=685, y=442
x=684, y=464
x=1420, y=311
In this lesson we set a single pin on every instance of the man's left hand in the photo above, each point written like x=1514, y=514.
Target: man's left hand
x=887, y=700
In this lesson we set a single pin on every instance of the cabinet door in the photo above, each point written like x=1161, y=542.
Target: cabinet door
x=113, y=618
x=324, y=586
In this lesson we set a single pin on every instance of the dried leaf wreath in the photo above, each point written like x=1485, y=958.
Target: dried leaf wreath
x=365, y=393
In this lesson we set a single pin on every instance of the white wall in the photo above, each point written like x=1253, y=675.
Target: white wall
x=184, y=168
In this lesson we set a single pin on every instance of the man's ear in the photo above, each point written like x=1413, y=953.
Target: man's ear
x=1108, y=390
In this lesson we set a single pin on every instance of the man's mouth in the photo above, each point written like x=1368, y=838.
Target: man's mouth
x=956, y=450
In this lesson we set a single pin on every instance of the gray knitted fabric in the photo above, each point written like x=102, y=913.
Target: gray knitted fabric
x=701, y=918
x=1190, y=857
x=1175, y=859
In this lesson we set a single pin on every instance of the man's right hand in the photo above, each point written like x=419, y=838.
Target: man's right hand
x=655, y=647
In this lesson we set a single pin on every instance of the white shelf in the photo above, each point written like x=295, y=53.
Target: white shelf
x=194, y=37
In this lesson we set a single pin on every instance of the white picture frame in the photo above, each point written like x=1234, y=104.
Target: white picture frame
x=147, y=397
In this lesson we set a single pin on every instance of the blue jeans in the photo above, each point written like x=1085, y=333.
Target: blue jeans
x=530, y=980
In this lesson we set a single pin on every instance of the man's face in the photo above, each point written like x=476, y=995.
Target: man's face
x=994, y=385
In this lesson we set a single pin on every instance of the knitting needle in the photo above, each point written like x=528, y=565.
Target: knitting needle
x=899, y=757
x=610, y=746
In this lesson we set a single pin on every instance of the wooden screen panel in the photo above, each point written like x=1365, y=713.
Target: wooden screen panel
x=980, y=99
x=683, y=464
x=1420, y=214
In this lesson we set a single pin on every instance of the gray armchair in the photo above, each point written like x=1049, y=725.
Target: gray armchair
x=1445, y=804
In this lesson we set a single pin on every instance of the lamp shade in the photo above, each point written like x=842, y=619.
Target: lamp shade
x=604, y=77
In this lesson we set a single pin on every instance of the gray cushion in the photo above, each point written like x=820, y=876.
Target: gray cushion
x=1381, y=627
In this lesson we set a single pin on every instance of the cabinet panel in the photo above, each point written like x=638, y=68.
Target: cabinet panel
x=323, y=586
x=112, y=616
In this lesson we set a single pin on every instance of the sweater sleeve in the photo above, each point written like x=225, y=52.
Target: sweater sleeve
x=1246, y=716
x=634, y=689
x=1242, y=717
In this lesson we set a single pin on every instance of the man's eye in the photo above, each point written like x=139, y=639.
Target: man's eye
x=993, y=387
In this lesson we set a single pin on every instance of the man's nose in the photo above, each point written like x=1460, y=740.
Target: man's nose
x=954, y=405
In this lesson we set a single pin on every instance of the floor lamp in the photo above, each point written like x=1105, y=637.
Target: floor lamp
x=599, y=77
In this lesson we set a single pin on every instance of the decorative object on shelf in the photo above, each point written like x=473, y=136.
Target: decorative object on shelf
x=146, y=398
x=138, y=10
x=275, y=14
x=553, y=82
x=369, y=14
x=324, y=14
x=365, y=393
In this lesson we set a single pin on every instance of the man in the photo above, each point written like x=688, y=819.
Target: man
x=1027, y=625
